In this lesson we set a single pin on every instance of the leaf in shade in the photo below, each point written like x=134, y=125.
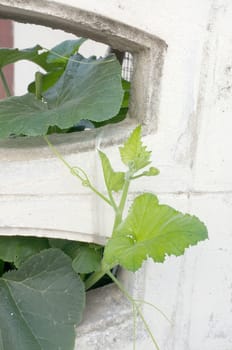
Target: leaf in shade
x=88, y=89
x=24, y=115
x=123, y=110
x=87, y=260
x=117, y=119
x=8, y=56
x=17, y=249
x=61, y=52
x=41, y=303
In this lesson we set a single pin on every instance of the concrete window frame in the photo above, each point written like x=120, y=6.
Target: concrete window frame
x=147, y=50
x=148, y=56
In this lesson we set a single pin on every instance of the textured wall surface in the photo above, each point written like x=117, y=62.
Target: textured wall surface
x=191, y=140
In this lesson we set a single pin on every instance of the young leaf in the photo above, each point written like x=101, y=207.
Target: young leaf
x=90, y=89
x=114, y=180
x=152, y=230
x=133, y=153
x=41, y=303
x=61, y=52
x=87, y=260
x=152, y=171
x=17, y=249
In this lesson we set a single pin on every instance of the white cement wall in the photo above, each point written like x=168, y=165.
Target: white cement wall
x=192, y=147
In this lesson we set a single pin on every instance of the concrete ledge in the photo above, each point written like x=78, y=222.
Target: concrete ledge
x=108, y=321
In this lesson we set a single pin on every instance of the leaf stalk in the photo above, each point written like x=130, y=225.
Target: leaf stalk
x=75, y=173
x=120, y=209
x=5, y=84
x=93, y=279
x=38, y=85
x=135, y=307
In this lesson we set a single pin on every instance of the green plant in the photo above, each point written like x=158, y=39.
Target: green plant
x=44, y=298
x=73, y=88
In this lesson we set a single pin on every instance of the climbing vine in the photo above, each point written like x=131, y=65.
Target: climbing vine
x=43, y=281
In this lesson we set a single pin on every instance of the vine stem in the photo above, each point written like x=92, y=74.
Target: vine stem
x=113, y=203
x=73, y=172
x=38, y=85
x=118, y=217
x=120, y=209
x=155, y=307
x=75, y=60
x=93, y=279
x=135, y=307
x=134, y=326
x=5, y=84
x=38, y=93
x=124, y=193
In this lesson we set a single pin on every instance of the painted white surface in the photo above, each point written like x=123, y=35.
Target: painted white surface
x=192, y=148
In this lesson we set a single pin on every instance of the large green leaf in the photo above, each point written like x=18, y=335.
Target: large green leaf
x=92, y=86
x=49, y=60
x=117, y=119
x=17, y=249
x=24, y=115
x=123, y=110
x=71, y=248
x=114, y=180
x=87, y=259
x=152, y=230
x=86, y=256
x=61, y=52
x=34, y=54
x=61, y=243
x=8, y=56
x=88, y=89
x=40, y=304
x=54, y=62
x=133, y=153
